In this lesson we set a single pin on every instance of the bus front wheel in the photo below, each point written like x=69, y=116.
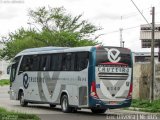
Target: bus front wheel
x=94, y=110
x=65, y=104
x=23, y=103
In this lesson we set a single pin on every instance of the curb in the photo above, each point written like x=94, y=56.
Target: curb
x=140, y=110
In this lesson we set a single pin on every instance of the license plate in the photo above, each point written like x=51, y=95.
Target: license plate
x=113, y=103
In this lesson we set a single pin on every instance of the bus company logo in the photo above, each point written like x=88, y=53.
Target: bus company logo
x=113, y=55
x=25, y=81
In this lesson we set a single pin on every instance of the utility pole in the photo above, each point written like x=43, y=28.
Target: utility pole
x=121, y=39
x=152, y=58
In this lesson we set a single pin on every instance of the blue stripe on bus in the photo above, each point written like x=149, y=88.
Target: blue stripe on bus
x=132, y=67
x=91, y=73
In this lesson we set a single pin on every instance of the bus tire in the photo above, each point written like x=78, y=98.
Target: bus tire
x=65, y=105
x=94, y=110
x=52, y=105
x=23, y=103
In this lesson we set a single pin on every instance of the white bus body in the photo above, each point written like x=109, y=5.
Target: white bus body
x=71, y=77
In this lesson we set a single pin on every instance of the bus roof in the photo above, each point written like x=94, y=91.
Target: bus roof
x=53, y=49
x=43, y=49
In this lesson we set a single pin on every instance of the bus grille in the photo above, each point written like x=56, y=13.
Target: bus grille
x=113, y=76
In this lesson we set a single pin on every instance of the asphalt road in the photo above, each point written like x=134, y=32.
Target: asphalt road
x=47, y=113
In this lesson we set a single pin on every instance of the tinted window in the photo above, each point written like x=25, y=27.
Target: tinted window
x=45, y=62
x=29, y=63
x=102, y=55
x=81, y=60
x=24, y=64
x=14, y=68
x=16, y=59
x=69, y=61
x=35, y=62
x=73, y=62
x=56, y=62
x=66, y=62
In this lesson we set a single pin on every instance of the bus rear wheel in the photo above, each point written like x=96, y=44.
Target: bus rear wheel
x=94, y=110
x=23, y=103
x=65, y=105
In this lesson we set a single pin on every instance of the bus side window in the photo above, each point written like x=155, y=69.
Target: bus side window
x=53, y=62
x=34, y=65
x=56, y=62
x=73, y=62
x=66, y=62
x=81, y=60
x=23, y=66
x=45, y=62
x=64, y=58
x=29, y=63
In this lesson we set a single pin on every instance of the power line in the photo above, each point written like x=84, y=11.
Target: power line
x=111, y=32
x=131, y=14
x=115, y=31
x=135, y=13
x=141, y=13
x=131, y=27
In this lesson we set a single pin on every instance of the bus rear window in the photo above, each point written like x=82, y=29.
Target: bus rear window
x=113, y=55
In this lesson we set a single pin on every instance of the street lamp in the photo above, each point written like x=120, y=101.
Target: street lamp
x=123, y=43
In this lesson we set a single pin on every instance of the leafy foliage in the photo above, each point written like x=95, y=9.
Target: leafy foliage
x=4, y=82
x=12, y=115
x=50, y=27
x=145, y=105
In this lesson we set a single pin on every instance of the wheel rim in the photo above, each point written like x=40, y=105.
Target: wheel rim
x=64, y=104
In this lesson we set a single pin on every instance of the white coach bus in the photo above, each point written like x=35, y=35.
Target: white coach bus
x=94, y=77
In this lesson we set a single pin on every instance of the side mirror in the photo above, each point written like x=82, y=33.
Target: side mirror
x=8, y=69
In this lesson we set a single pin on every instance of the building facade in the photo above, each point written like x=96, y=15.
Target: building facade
x=144, y=57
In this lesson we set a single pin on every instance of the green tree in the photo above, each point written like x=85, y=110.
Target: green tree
x=50, y=27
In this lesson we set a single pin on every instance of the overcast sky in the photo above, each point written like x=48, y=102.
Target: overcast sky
x=111, y=15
